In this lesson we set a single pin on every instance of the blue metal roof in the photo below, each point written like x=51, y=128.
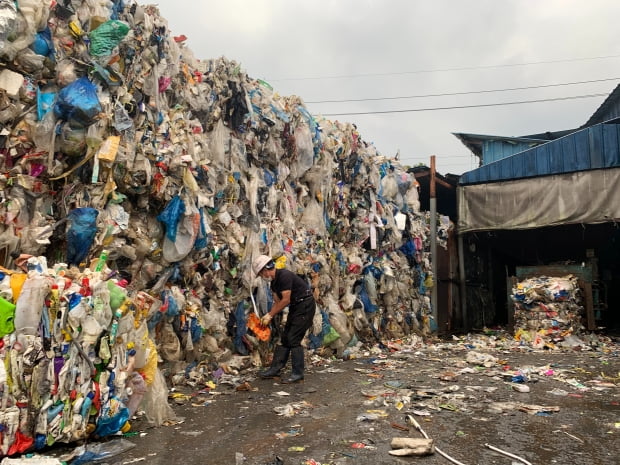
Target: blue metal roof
x=595, y=147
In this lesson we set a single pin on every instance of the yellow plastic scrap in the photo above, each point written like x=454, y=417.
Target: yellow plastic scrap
x=150, y=368
x=280, y=262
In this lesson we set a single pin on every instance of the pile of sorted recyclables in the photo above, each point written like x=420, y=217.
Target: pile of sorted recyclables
x=137, y=185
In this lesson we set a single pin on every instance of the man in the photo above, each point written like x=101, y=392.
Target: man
x=292, y=291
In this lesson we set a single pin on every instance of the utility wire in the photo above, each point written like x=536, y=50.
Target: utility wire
x=458, y=107
x=446, y=94
x=439, y=70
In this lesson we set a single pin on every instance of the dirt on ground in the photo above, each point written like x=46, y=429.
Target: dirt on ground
x=466, y=395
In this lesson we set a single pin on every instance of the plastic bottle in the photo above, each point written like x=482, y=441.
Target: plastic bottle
x=113, y=331
x=118, y=313
x=54, y=303
x=54, y=411
x=88, y=400
x=85, y=289
x=102, y=261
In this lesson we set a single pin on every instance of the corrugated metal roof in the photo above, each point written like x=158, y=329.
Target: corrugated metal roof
x=595, y=147
x=609, y=109
x=474, y=142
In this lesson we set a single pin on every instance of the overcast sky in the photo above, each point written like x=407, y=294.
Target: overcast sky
x=386, y=49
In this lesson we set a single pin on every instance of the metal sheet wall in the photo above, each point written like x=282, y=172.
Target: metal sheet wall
x=592, y=148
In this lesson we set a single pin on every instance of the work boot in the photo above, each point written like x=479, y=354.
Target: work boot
x=297, y=362
x=280, y=357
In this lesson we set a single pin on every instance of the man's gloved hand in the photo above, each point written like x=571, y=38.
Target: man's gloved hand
x=265, y=320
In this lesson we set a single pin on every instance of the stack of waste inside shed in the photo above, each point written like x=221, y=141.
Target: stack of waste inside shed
x=548, y=310
x=138, y=183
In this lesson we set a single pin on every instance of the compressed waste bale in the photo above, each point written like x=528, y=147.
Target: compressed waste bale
x=547, y=309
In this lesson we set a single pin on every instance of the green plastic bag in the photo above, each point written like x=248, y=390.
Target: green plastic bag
x=117, y=295
x=7, y=317
x=106, y=37
x=330, y=336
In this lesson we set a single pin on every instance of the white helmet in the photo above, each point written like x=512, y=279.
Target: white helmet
x=260, y=262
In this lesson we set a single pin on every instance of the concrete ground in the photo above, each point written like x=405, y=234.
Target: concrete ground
x=461, y=393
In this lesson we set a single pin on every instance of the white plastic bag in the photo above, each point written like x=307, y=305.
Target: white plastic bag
x=29, y=305
x=155, y=402
x=305, y=148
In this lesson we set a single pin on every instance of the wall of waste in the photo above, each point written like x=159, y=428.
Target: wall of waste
x=137, y=184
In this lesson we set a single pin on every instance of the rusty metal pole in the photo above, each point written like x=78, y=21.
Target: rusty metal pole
x=433, y=225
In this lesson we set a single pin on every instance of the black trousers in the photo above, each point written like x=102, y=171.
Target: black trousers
x=299, y=320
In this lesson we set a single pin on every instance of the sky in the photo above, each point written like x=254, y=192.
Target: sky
x=382, y=59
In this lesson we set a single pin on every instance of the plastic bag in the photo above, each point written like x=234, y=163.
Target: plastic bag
x=305, y=148
x=7, y=317
x=217, y=144
x=8, y=23
x=112, y=419
x=117, y=295
x=81, y=233
x=106, y=37
x=43, y=132
x=155, y=402
x=30, y=303
x=170, y=346
x=263, y=333
x=45, y=103
x=43, y=43
x=389, y=187
x=78, y=102
x=312, y=218
x=97, y=451
x=122, y=120
x=9, y=241
x=137, y=386
x=71, y=141
x=331, y=336
x=186, y=234
x=171, y=216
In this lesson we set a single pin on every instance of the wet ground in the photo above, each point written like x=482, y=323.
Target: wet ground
x=347, y=412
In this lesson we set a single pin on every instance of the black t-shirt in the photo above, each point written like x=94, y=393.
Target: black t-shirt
x=286, y=280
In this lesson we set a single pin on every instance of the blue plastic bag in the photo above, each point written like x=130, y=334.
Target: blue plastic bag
x=45, y=103
x=201, y=239
x=171, y=215
x=108, y=425
x=78, y=102
x=369, y=307
x=43, y=43
x=81, y=233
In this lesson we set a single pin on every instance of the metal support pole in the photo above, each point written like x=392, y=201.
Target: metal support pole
x=462, y=283
x=433, y=225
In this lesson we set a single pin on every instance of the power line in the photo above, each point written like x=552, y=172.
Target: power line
x=440, y=70
x=466, y=93
x=456, y=159
x=458, y=107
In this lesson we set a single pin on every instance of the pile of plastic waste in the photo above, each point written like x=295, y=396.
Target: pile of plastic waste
x=137, y=185
x=547, y=309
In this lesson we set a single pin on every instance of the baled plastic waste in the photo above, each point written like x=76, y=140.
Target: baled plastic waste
x=143, y=181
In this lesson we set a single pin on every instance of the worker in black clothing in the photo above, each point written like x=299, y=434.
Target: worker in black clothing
x=292, y=291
